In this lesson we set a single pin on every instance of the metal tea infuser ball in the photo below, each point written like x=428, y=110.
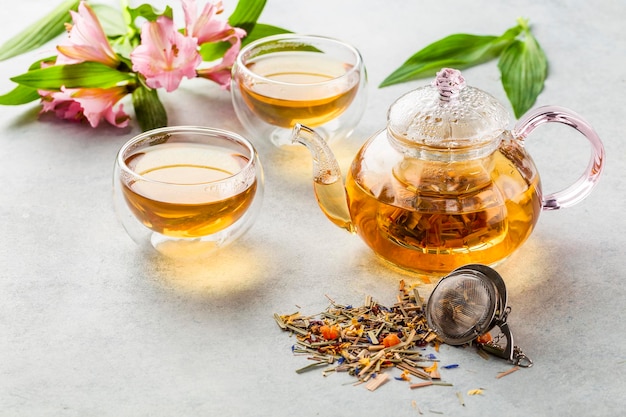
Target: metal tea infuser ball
x=469, y=302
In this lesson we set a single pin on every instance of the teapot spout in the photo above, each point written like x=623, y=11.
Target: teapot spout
x=327, y=180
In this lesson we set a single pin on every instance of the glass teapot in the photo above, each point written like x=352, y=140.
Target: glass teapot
x=445, y=184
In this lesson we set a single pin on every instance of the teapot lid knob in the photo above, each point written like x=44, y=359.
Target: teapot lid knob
x=449, y=82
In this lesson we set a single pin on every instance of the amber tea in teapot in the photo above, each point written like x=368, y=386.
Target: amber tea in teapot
x=445, y=184
x=474, y=222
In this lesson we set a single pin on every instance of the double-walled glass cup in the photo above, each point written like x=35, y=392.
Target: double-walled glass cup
x=187, y=191
x=282, y=80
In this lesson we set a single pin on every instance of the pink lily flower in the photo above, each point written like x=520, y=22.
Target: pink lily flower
x=165, y=55
x=86, y=41
x=91, y=104
x=205, y=27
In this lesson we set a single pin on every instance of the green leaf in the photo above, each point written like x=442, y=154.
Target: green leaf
x=456, y=51
x=127, y=42
x=19, y=95
x=111, y=19
x=216, y=50
x=524, y=69
x=84, y=75
x=149, y=110
x=23, y=94
x=262, y=30
x=149, y=13
x=40, y=32
x=37, y=64
x=246, y=14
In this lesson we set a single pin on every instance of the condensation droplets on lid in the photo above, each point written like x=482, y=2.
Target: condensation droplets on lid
x=447, y=114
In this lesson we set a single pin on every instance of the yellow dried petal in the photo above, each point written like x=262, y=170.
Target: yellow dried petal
x=431, y=368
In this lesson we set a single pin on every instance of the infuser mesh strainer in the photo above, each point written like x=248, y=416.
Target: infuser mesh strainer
x=462, y=307
x=470, y=302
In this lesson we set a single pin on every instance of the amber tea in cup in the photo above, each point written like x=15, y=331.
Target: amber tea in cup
x=187, y=191
x=282, y=80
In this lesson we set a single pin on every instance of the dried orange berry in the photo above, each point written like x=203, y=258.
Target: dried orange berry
x=329, y=332
x=391, y=339
x=485, y=338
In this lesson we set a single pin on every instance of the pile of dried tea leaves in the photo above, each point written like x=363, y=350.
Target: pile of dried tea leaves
x=366, y=340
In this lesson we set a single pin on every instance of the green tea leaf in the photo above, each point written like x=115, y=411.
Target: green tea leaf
x=524, y=69
x=40, y=32
x=246, y=14
x=19, y=95
x=149, y=110
x=84, y=75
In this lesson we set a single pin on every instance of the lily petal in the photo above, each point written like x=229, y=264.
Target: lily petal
x=86, y=41
x=165, y=56
x=90, y=104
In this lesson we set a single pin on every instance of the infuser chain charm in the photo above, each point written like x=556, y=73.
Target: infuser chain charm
x=520, y=358
x=511, y=352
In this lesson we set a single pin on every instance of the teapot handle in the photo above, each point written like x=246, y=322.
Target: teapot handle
x=580, y=189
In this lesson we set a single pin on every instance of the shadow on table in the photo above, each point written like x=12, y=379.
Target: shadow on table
x=551, y=277
x=240, y=267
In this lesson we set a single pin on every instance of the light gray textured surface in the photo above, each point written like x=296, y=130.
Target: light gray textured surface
x=90, y=326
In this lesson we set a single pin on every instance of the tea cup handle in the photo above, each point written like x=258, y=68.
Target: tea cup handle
x=580, y=189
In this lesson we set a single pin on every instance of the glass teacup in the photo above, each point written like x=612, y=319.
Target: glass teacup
x=282, y=80
x=186, y=191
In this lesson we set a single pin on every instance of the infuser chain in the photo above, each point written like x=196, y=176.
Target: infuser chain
x=520, y=358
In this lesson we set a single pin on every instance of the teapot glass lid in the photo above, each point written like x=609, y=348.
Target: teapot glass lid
x=448, y=115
